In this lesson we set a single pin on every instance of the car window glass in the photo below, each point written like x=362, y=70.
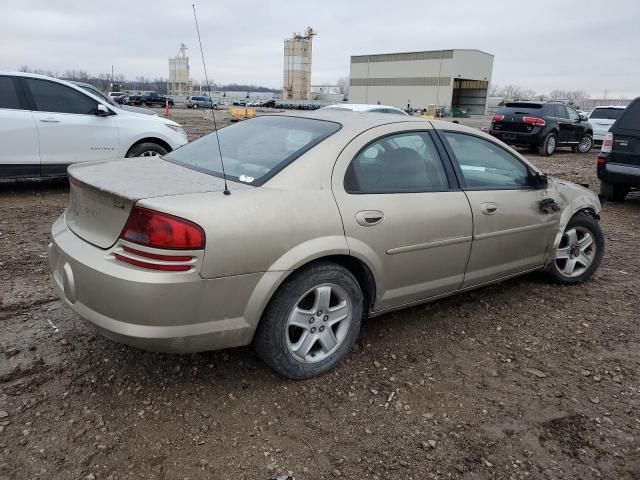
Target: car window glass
x=53, y=97
x=407, y=162
x=486, y=165
x=8, y=94
x=631, y=118
x=561, y=111
x=606, y=113
x=573, y=115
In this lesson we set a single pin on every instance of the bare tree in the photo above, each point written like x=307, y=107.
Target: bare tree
x=343, y=85
x=495, y=90
x=24, y=68
x=511, y=92
x=557, y=94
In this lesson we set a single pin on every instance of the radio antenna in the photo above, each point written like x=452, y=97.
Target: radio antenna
x=213, y=114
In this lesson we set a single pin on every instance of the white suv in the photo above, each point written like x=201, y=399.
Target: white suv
x=47, y=124
x=601, y=118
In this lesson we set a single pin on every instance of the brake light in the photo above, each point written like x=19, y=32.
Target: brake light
x=607, y=143
x=534, y=121
x=160, y=230
x=498, y=118
x=602, y=160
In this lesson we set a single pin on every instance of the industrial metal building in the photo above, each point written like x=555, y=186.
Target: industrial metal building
x=449, y=78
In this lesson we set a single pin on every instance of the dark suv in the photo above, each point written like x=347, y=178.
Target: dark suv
x=619, y=158
x=543, y=126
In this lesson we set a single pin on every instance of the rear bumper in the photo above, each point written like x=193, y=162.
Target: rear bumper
x=518, y=138
x=620, y=174
x=161, y=311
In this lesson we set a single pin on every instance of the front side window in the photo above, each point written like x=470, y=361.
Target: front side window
x=485, y=165
x=573, y=115
x=8, y=94
x=54, y=97
x=406, y=162
x=254, y=150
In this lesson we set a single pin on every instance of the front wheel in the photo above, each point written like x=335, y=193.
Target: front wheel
x=548, y=146
x=580, y=251
x=195, y=106
x=146, y=149
x=586, y=143
x=311, y=323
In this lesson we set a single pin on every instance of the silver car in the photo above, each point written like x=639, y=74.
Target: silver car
x=325, y=218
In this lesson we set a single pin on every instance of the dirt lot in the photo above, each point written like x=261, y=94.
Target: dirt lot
x=520, y=380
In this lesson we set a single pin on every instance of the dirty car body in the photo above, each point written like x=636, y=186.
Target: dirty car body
x=404, y=210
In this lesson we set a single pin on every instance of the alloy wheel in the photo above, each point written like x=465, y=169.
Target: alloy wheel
x=585, y=144
x=149, y=153
x=318, y=323
x=576, y=252
x=551, y=145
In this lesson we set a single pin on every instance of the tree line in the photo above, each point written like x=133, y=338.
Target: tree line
x=515, y=92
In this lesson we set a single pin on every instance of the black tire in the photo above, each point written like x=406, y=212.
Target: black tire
x=195, y=106
x=590, y=224
x=583, y=147
x=270, y=341
x=614, y=192
x=146, y=149
x=549, y=145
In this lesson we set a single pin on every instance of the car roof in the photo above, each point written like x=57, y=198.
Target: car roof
x=360, y=107
x=621, y=107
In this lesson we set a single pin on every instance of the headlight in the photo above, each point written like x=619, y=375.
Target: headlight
x=177, y=129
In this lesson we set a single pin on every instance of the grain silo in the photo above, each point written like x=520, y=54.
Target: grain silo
x=297, y=66
x=179, y=84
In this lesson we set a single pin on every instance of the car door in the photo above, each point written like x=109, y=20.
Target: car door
x=510, y=232
x=19, y=155
x=565, y=126
x=403, y=213
x=69, y=128
x=577, y=125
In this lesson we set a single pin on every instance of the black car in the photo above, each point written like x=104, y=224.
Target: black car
x=619, y=158
x=543, y=126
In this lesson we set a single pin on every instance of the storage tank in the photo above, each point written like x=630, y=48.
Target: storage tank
x=297, y=66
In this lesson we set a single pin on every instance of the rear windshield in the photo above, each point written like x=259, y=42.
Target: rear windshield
x=520, y=108
x=606, y=113
x=631, y=118
x=254, y=150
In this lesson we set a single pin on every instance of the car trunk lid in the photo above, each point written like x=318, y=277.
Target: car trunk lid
x=510, y=118
x=102, y=194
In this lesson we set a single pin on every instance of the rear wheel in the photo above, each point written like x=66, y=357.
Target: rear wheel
x=580, y=251
x=146, y=149
x=195, y=105
x=586, y=143
x=311, y=322
x=614, y=192
x=548, y=146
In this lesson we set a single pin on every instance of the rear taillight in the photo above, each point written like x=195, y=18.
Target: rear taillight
x=534, y=121
x=607, y=143
x=160, y=230
x=602, y=159
x=498, y=118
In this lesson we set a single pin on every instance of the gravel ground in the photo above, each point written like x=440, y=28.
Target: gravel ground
x=523, y=379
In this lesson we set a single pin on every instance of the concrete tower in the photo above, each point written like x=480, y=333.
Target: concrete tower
x=297, y=66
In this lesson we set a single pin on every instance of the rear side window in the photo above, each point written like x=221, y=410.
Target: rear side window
x=631, y=118
x=8, y=94
x=407, y=162
x=485, y=165
x=53, y=97
x=606, y=113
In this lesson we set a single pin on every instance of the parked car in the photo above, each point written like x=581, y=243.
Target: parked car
x=269, y=103
x=328, y=217
x=200, y=102
x=601, y=119
x=149, y=99
x=47, y=124
x=619, y=158
x=358, y=107
x=542, y=126
x=112, y=100
x=122, y=100
x=115, y=94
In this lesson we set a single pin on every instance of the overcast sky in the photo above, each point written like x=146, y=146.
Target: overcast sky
x=542, y=45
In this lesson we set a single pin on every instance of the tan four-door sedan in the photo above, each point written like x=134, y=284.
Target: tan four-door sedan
x=329, y=218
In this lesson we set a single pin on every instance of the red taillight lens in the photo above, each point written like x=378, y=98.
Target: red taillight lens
x=607, y=143
x=534, y=121
x=498, y=118
x=160, y=230
x=602, y=160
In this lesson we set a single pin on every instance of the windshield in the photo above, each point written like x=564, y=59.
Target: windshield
x=606, y=113
x=254, y=150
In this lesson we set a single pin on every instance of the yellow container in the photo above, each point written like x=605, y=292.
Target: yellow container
x=242, y=112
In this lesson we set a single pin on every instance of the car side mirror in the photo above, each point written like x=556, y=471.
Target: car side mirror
x=538, y=180
x=102, y=111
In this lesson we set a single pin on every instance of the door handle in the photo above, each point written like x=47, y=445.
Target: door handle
x=488, y=208
x=49, y=120
x=369, y=218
